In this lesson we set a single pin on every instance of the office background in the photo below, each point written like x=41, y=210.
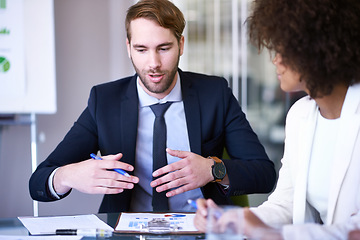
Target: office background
x=90, y=49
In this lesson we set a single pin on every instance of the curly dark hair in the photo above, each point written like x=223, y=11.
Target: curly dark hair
x=319, y=39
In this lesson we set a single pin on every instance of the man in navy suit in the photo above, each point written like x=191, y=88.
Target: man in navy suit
x=204, y=118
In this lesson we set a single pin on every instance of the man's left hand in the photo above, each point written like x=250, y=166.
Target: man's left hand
x=191, y=172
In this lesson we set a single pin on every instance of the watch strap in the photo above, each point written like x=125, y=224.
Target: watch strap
x=216, y=161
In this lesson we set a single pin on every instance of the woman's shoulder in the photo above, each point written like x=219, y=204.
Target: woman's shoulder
x=302, y=107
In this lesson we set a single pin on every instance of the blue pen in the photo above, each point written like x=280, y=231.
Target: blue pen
x=192, y=203
x=122, y=172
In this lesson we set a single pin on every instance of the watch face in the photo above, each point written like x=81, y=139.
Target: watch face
x=219, y=171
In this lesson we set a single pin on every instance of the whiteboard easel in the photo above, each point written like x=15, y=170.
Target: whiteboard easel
x=25, y=119
x=34, y=156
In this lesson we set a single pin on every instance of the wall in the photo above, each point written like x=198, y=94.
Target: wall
x=90, y=49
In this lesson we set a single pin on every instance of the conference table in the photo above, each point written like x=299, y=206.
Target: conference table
x=14, y=227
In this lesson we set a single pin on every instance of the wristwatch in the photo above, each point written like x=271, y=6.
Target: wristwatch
x=218, y=169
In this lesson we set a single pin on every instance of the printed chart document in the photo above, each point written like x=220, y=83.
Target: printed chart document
x=48, y=225
x=158, y=223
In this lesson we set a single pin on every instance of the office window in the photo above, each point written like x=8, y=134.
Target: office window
x=216, y=42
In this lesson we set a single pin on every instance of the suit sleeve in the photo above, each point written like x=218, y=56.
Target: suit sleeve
x=278, y=209
x=249, y=168
x=317, y=231
x=76, y=146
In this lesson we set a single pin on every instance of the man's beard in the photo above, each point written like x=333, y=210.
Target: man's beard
x=165, y=83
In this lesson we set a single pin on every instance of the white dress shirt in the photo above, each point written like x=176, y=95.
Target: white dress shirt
x=177, y=139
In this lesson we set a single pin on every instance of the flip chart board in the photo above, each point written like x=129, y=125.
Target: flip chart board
x=27, y=57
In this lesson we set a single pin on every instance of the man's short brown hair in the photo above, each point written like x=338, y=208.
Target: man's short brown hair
x=164, y=12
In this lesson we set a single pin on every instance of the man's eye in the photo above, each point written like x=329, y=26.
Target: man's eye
x=140, y=50
x=164, y=49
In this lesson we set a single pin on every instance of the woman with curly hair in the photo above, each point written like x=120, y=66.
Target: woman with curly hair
x=316, y=47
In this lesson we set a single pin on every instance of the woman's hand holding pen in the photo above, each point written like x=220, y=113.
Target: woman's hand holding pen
x=253, y=226
x=201, y=213
x=92, y=176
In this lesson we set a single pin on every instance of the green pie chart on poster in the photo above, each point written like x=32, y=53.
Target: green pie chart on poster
x=4, y=64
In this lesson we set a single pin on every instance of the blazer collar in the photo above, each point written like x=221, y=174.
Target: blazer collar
x=129, y=116
x=348, y=132
x=307, y=123
x=192, y=112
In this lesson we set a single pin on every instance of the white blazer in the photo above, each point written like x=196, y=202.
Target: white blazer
x=287, y=206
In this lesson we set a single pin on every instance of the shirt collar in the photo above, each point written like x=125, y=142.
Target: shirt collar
x=147, y=100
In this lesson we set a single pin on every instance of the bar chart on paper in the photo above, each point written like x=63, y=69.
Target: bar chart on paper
x=133, y=222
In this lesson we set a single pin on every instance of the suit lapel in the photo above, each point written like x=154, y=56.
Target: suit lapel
x=192, y=113
x=306, y=134
x=129, y=121
x=348, y=131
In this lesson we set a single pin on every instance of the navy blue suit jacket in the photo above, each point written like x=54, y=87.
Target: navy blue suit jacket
x=214, y=120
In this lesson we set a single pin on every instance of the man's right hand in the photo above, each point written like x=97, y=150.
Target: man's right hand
x=92, y=176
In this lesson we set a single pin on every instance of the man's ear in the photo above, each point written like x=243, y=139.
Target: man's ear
x=181, y=45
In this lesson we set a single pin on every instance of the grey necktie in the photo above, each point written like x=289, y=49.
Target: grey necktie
x=159, y=200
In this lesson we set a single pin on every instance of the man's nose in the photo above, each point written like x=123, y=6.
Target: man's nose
x=154, y=60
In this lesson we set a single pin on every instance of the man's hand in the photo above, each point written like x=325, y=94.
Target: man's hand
x=191, y=172
x=92, y=176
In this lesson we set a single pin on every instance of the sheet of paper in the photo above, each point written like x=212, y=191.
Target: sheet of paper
x=48, y=225
x=11, y=237
x=130, y=222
